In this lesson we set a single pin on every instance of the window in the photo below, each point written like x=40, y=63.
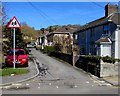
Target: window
x=82, y=35
x=20, y=52
x=92, y=33
x=17, y=52
x=76, y=36
x=105, y=29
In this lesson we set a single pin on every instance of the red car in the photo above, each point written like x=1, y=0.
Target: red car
x=21, y=58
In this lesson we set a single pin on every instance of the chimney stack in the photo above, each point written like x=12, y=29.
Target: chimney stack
x=109, y=9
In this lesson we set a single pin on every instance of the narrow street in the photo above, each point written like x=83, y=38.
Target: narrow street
x=59, y=78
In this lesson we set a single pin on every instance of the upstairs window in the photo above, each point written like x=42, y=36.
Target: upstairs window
x=106, y=29
x=92, y=33
x=83, y=35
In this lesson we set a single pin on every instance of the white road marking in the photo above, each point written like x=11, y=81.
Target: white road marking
x=17, y=87
x=56, y=86
x=87, y=82
x=75, y=86
x=50, y=84
x=38, y=87
x=17, y=84
x=27, y=84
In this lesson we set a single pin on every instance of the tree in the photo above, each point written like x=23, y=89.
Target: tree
x=29, y=33
x=3, y=18
x=8, y=34
x=43, y=30
x=50, y=29
x=3, y=14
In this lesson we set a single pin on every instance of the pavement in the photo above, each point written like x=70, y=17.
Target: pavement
x=113, y=80
x=9, y=80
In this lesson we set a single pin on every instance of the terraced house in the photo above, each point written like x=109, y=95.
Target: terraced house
x=102, y=36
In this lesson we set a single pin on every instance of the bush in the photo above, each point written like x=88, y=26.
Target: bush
x=38, y=47
x=118, y=60
x=109, y=59
x=49, y=49
x=91, y=58
x=94, y=59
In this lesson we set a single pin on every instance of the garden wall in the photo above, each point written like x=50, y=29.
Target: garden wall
x=91, y=65
x=98, y=67
x=62, y=56
x=109, y=69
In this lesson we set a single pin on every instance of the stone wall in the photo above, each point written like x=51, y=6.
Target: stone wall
x=99, y=69
x=62, y=56
x=108, y=69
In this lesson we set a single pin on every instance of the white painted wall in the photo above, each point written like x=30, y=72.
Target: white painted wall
x=45, y=42
x=98, y=51
x=106, y=50
x=117, y=43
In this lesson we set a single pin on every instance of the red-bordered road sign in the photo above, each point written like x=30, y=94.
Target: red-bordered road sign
x=14, y=23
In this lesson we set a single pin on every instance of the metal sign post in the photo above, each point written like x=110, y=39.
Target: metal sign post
x=14, y=24
x=14, y=48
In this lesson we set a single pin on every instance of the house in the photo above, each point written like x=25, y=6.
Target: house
x=101, y=37
x=62, y=37
x=42, y=39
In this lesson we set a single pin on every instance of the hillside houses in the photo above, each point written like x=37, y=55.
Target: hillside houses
x=101, y=37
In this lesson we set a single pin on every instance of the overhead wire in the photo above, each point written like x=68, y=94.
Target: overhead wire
x=97, y=5
x=46, y=17
x=43, y=14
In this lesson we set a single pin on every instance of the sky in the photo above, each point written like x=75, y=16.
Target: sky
x=43, y=14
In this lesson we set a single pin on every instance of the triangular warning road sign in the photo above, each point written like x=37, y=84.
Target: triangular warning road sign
x=14, y=23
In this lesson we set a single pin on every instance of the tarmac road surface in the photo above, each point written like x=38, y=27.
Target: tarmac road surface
x=59, y=78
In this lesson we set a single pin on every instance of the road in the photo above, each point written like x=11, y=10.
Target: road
x=59, y=78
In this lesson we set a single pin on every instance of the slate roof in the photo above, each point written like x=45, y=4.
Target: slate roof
x=66, y=29
x=114, y=17
x=103, y=40
x=63, y=30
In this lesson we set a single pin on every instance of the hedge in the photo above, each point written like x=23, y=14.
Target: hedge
x=107, y=59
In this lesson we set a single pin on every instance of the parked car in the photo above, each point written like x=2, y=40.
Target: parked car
x=30, y=45
x=21, y=58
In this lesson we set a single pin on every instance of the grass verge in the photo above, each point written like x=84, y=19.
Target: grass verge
x=9, y=71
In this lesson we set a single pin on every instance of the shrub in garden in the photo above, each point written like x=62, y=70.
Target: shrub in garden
x=49, y=49
x=108, y=59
